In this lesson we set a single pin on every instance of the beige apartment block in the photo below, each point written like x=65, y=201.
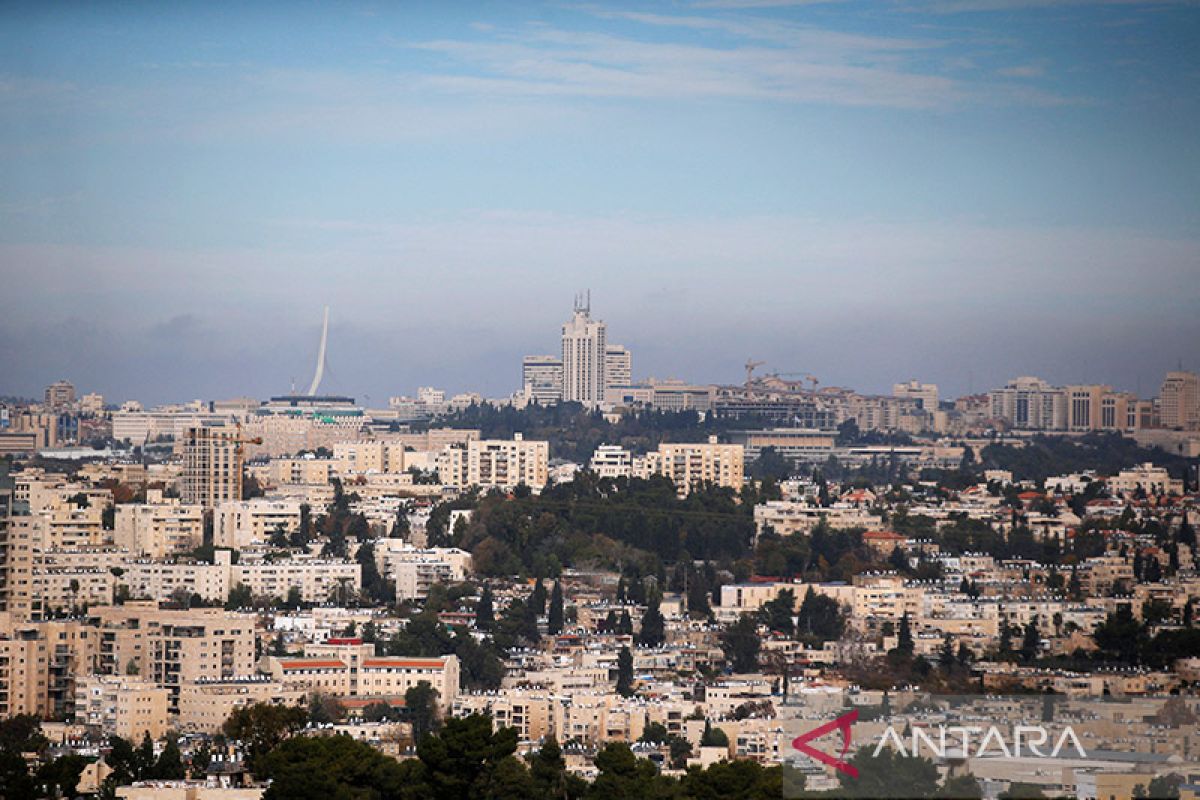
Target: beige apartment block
x=241, y=523
x=171, y=647
x=122, y=706
x=690, y=465
x=496, y=463
x=39, y=663
x=212, y=466
x=300, y=471
x=159, y=530
x=415, y=569
x=205, y=704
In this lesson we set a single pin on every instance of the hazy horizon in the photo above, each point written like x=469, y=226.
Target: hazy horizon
x=958, y=191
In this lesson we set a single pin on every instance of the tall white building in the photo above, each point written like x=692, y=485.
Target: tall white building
x=618, y=366
x=925, y=393
x=542, y=379
x=584, y=351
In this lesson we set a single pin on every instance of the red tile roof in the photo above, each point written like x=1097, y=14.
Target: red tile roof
x=412, y=663
x=312, y=663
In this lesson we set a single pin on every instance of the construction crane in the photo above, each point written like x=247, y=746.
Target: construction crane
x=751, y=364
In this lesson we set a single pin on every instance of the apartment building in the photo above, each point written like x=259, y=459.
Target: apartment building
x=39, y=663
x=317, y=579
x=302, y=471
x=689, y=465
x=414, y=570
x=496, y=463
x=205, y=704
x=212, y=466
x=158, y=528
x=788, y=518
x=611, y=461
x=172, y=647
x=122, y=706
x=241, y=523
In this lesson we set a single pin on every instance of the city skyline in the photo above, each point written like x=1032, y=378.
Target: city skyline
x=958, y=192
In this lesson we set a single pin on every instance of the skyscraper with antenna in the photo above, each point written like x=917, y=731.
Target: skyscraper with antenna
x=583, y=355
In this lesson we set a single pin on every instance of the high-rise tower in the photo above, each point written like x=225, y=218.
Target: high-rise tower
x=583, y=355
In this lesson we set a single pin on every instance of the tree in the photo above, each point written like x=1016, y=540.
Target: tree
x=1031, y=641
x=625, y=672
x=777, y=614
x=421, y=707
x=144, y=757
x=904, y=639
x=889, y=774
x=713, y=737
x=741, y=644
x=548, y=769
x=461, y=761
x=485, y=615
x=820, y=619
x=324, y=767
x=1165, y=787
x=262, y=727
x=169, y=765
x=653, y=630
x=537, y=598
x=554, y=620
x=240, y=596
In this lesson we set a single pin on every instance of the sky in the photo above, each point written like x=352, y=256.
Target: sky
x=959, y=191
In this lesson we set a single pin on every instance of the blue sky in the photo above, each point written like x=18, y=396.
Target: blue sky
x=959, y=191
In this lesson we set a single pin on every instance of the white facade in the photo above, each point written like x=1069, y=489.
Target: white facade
x=584, y=350
x=496, y=463
x=542, y=379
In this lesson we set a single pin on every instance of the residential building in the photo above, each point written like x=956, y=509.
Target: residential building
x=122, y=706
x=611, y=461
x=158, y=529
x=496, y=463
x=689, y=465
x=239, y=523
x=212, y=466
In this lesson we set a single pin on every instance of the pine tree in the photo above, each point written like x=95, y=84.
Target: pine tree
x=653, y=631
x=537, y=599
x=621, y=589
x=625, y=672
x=485, y=613
x=904, y=640
x=554, y=622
